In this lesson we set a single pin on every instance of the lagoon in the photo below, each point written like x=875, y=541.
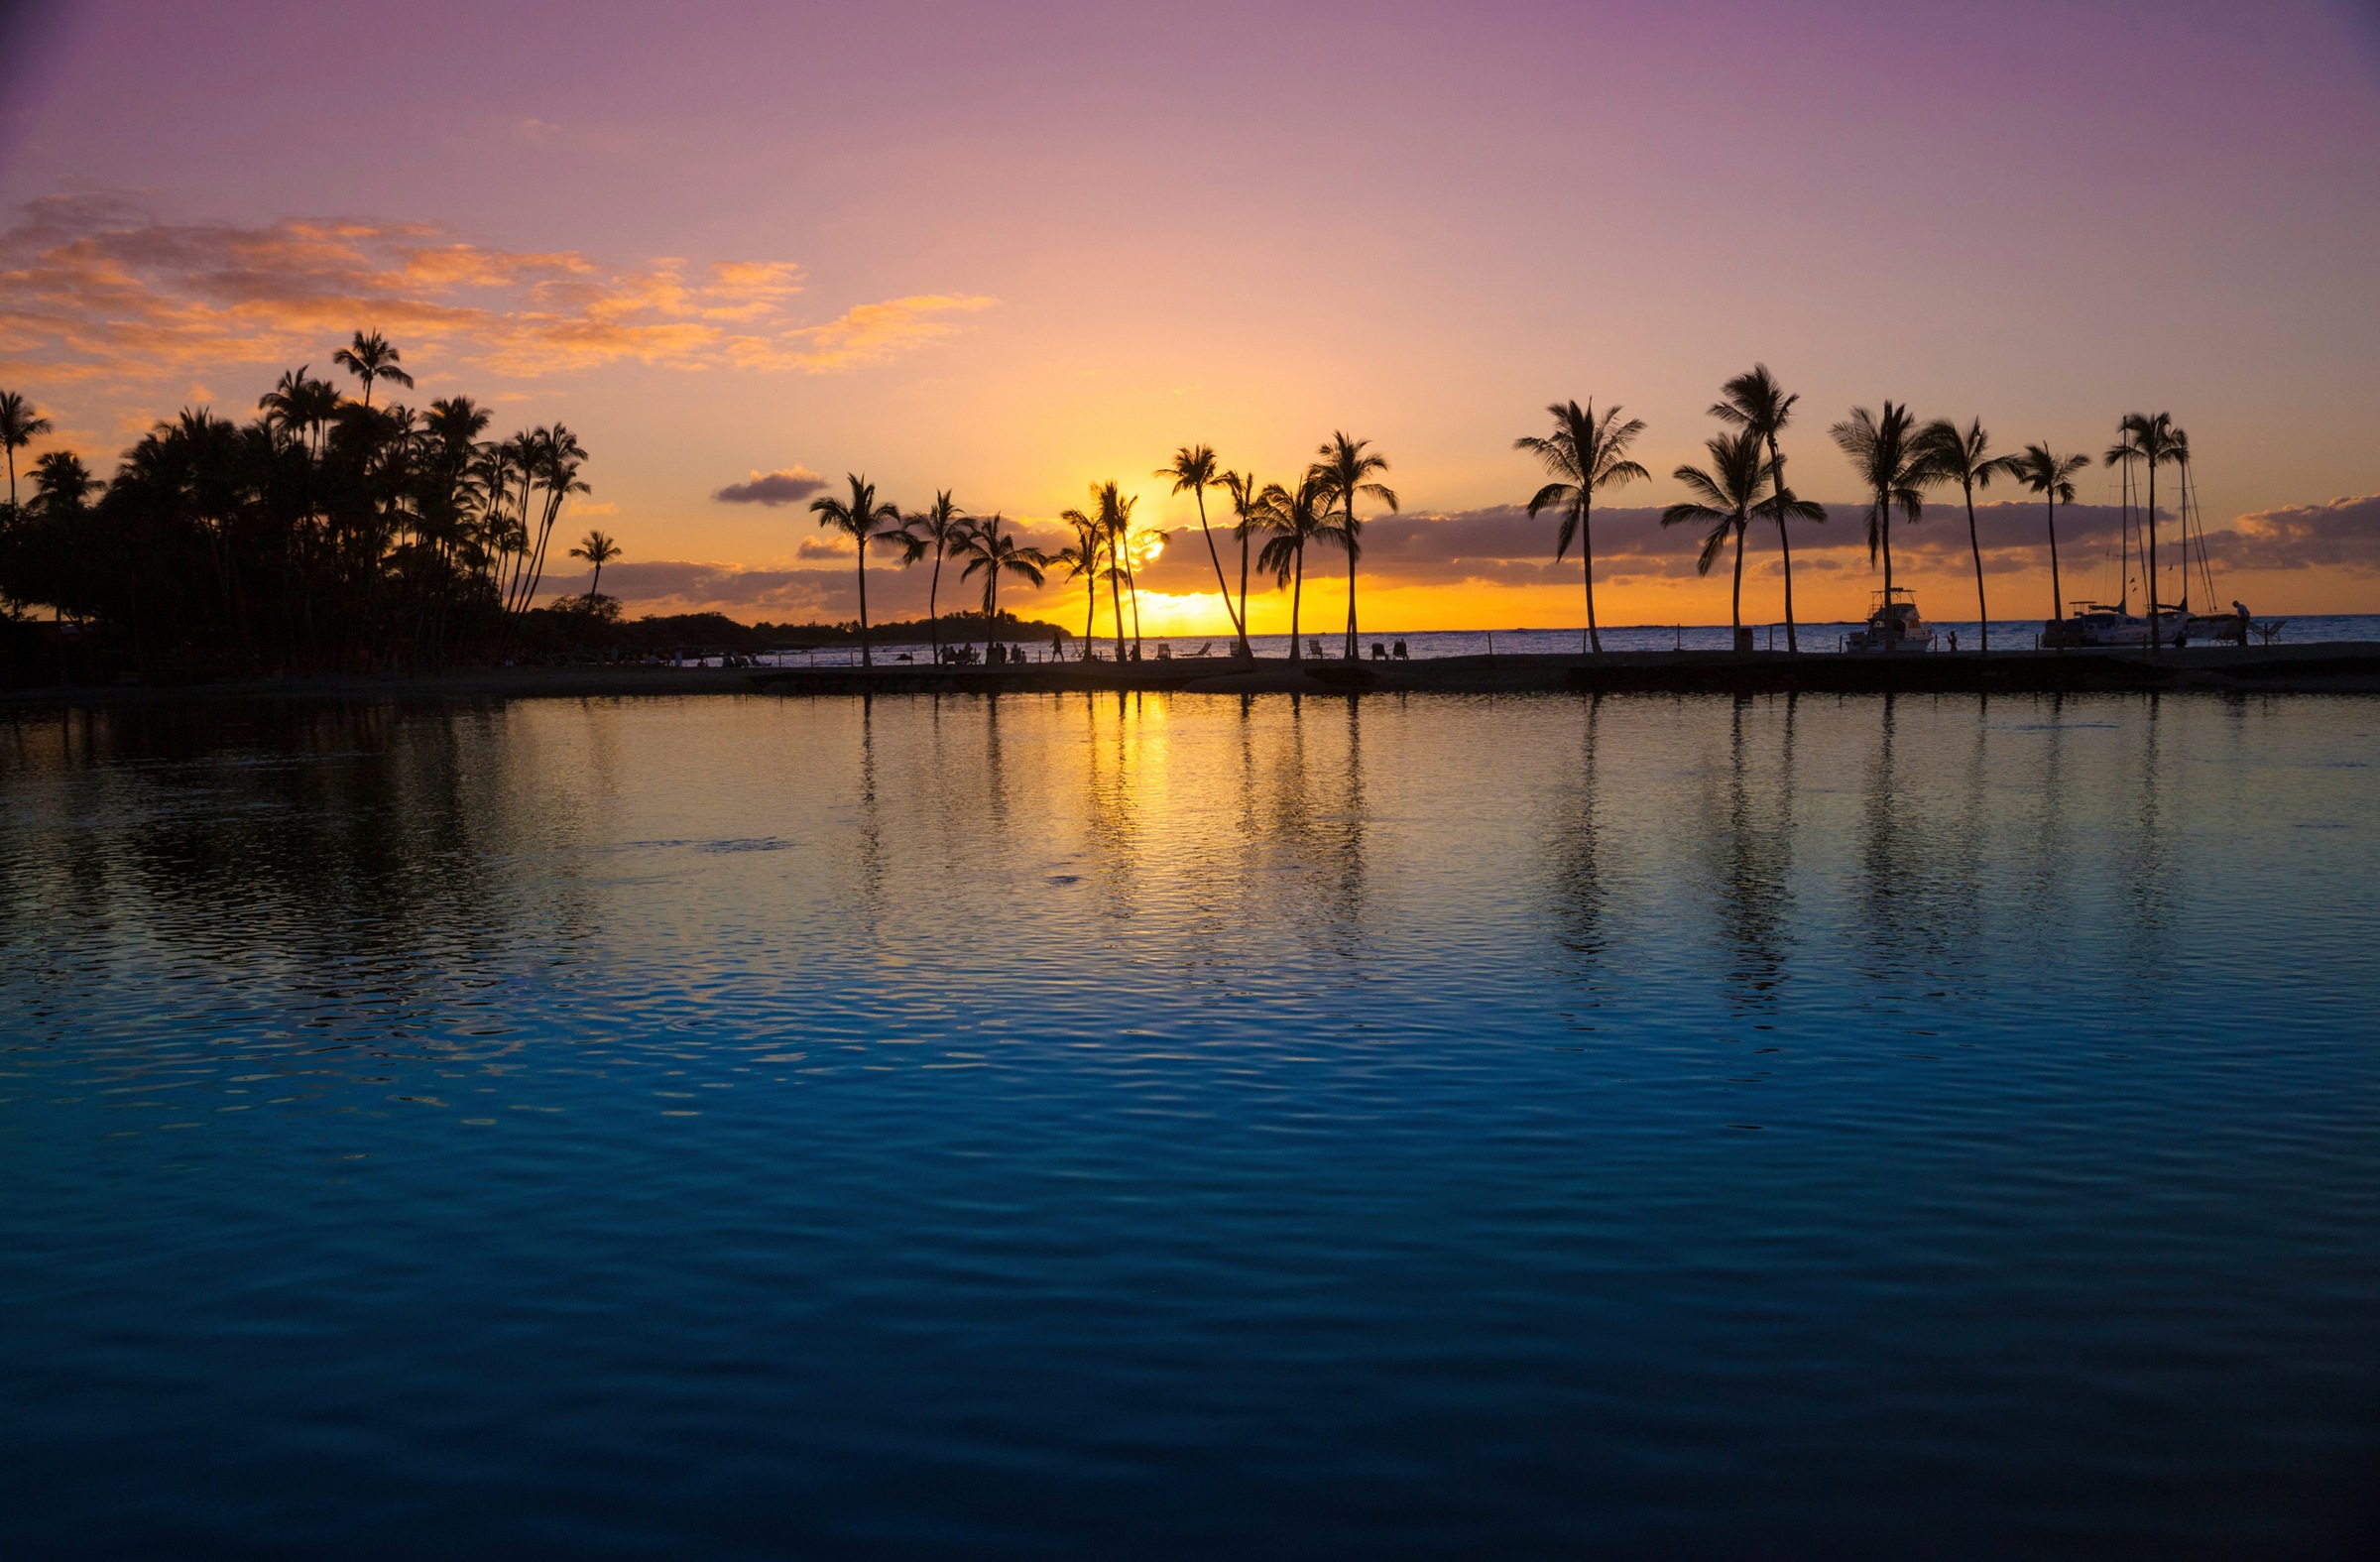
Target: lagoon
x=1182, y=1126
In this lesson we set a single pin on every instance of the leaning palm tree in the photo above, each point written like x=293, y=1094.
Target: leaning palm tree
x=1754, y=399
x=864, y=521
x=1248, y=513
x=597, y=548
x=1952, y=454
x=1344, y=474
x=1194, y=468
x=2052, y=476
x=1585, y=454
x=992, y=555
x=2158, y=443
x=1727, y=495
x=20, y=426
x=933, y=533
x=1295, y=519
x=370, y=358
x=1083, y=560
x=1881, y=451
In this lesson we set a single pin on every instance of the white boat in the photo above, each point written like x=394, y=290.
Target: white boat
x=2097, y=625
x=1893, y=624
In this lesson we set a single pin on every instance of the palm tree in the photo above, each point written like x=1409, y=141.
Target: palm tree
x=2158, y=443
x=1880, y=451
x=1729, y=492
x=1951, y=454
x=2052, y=476
x=1247, y=511
x=864, y=521
x=1295, y=519
x=371, y=358
x=1082, y=562
x=1754, y=399
x=552, y=458
x=1194, y=469
x=1584, y=453
x=1115, y=512
x=936, y=532
x=597, y=548
x=990, y=555
x=20, y=426
x=1344, y=474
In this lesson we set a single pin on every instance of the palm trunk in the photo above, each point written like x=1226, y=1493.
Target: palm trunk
x=2057, y=592
x=859, y=541
x=1884, y=531
x=1735, y=606
x=1594, y=636
x=1983, y=613
x=1116, y=602
x=1297, y=592
x=933, y=619
x=595, y=586
x=1351, y=583
x=1776, y=468
x=1238, y=629
x=2150, y=522
x=1132, y=584
x=1246, y=648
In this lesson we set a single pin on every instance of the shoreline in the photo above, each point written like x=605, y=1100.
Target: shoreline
x=2348, y=667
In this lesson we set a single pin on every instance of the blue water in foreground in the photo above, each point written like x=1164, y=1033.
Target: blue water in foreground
x=1144, y=1127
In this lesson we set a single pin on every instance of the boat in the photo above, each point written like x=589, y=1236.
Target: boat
x=1893, y=624
x=2096, y=625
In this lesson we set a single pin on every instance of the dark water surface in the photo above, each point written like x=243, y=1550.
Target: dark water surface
x=1154, y=1127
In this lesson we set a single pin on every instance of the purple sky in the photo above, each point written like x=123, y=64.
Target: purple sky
x=1038, y=245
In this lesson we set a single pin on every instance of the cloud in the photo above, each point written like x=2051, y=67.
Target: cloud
x=2342, y=535
x=93, y=287
x=787, y=485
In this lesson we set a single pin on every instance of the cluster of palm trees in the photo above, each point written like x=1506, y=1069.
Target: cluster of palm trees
x=1108, y=547
x=941, y=531
x=1896, y=457
x=327, y=532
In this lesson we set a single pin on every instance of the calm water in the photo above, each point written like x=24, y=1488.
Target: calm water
x=1052, y=1127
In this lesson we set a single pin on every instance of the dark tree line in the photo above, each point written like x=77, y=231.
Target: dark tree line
x=326, y=534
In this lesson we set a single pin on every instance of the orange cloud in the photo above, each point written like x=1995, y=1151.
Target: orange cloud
x=94, y=289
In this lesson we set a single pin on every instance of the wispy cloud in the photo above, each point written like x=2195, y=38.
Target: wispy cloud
x=94, y=287
x=788, y=485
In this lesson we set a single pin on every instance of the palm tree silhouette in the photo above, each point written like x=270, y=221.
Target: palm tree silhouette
x=553, y=456
x=992, y=554
x=1082, y=561
x=1880, y=451
x=1344, y=474
x=2157, y=442
x=1754, y=399
x=370, y=358
x=597, y=548
x=864, y=521
x=1114, y=517
x=2052, y=476
x=1295, y=519
x=1728, y=492
x=20, y=426
x=1584, y=453
x=1247, y=511
x=1951, y=454
x=1194, y=469
x=933, y=531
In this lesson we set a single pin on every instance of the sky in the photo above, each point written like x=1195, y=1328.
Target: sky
x=1011, y=251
